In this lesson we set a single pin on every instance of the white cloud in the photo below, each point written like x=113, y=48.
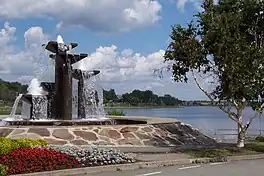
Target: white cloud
x=123, y=70
x=20, y=65
x=99, y=15
x=124, y=65
x=196, y=3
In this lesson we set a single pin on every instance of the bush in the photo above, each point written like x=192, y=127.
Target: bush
x=207, y=153
x=7, y=144
x=257, y=147
x=27, y=160
x=3, y=170
x=115, y=112
x=260, y=139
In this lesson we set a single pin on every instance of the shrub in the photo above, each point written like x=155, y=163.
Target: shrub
x=257, y=147
x=24, y=142
x=3, y=170
x=115, y=112
x=7, y=144
x=207, y=153
x=260, y=139
x=27, y=160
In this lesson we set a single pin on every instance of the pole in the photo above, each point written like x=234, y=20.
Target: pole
x=260, y=126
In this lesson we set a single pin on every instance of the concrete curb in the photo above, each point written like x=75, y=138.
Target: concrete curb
x=134, y=166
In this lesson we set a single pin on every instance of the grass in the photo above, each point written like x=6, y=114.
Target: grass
x=249, y=149
x=115, y=112
x=5, y=110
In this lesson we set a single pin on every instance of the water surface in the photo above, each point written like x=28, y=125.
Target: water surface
x=206, y=118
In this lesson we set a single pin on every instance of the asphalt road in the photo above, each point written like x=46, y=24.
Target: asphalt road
x=239, y=168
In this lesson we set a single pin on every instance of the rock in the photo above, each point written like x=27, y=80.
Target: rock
x=96, y=130
x=173, y=141
x=79, y=142
x=89, y=136
x=142, y=135
x=27, y=135
x=147, y=129
x=103, y=138
x=130, y=142
x=161, y=132
x=128, y=129
x=129, y=135
x=4, y=132
x=110, y=133
x=55, y=142
x=18, y=131
x=40, y=131
x=62, y=134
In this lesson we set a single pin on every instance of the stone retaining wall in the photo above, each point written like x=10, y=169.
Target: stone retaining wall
x=159, y=135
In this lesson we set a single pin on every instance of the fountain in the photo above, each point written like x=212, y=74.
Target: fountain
x=50, y=103
x=47, y=112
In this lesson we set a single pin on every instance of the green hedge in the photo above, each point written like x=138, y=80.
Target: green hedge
x=260, y=138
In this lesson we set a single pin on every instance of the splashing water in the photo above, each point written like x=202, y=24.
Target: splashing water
x=14, y=108
x=39, y=110
x=93, y=109
x=34, y=87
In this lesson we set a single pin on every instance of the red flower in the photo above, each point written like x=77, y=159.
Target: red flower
x=26, y=160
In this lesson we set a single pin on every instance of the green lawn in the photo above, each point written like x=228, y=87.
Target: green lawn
x=5, y=110
x=249, y=149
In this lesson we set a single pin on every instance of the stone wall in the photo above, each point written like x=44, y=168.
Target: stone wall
x=159, y=135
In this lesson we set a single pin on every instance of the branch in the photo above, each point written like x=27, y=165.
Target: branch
x=253, y=117
x=231, y=115
x=235, y=103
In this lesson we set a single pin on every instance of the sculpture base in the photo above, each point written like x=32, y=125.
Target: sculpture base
x=84, y=122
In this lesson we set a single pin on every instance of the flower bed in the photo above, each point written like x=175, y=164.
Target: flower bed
x=94, y=157
x=27, y=160
x=25, y=156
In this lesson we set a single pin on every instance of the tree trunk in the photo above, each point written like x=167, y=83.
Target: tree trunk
x=241, y=138
x=241, y=135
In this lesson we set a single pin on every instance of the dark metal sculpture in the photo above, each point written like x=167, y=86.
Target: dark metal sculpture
x=59, y=95
x=62, y=109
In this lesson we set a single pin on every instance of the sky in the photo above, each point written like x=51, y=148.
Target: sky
x=125, y=39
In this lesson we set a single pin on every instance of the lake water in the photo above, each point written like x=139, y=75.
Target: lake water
x=206, y=118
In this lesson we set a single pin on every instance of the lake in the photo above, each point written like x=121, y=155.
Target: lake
x=206, y=118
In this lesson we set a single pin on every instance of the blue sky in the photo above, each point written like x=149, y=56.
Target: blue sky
x=127, y=48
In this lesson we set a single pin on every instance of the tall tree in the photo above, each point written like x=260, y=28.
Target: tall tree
x=223, y=41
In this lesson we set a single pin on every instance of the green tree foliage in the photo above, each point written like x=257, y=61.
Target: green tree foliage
x=224, y=41
x=110, y=96
x=9, y=90
x=141, y=98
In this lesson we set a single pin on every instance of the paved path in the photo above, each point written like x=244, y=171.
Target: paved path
x=239, y=168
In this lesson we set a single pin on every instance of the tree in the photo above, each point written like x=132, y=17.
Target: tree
x=224, y=42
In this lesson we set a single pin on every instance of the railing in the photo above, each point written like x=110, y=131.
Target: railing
x=250, y=132
x=230, y=135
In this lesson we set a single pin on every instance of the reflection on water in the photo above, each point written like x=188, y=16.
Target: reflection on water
x=205, y=118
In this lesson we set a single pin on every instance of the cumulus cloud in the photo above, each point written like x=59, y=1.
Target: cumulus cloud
x=123, y=70
x=99, y=15
x=116, y=66
x=122, y=65
x=24, y=64
x=196, y=3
